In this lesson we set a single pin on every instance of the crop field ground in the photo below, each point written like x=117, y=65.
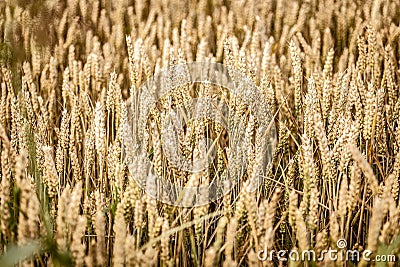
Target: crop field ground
x=299, y=167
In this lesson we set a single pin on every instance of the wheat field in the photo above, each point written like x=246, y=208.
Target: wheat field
x=328, y=72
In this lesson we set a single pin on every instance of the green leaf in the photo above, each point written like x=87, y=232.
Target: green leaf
x=17, y=254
